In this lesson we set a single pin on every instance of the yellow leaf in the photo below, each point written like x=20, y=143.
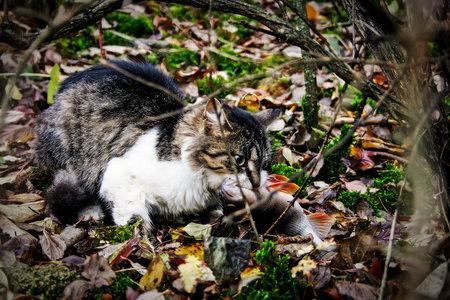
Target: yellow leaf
x=14, y=91
x=251, y=272
x=192, y=250
x=154, y=274
x=306, y=265
x=190, y=273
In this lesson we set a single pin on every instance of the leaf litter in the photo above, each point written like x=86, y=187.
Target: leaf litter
x=207, y=259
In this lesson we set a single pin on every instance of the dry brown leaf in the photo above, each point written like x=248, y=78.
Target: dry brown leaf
x=355, y=290
x=356, y=249
x=52, y=245
x=98, y=271
x=24, y=198
x=26, y=212
x=320, y=276
x=77, y=290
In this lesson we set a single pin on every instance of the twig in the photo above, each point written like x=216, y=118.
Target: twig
x=310, y=25
x=26, y=74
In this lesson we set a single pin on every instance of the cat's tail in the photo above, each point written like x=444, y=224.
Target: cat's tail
x=68, y=201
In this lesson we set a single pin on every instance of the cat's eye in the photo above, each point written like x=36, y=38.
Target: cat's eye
x=240, y=160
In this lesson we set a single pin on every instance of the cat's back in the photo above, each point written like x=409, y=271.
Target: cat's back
x=96, y=115
x=129, y=90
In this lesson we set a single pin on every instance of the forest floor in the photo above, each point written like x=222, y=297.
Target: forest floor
x=361, y=184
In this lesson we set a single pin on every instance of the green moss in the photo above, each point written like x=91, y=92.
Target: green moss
x=115, y=234
x=47, y=281
x=333, y=165
x=385, y=198
x=241, y=33
x=181, y=59
x=391, y=173
x=186, y=13
x=275, y=60
x=277, y=281
x=127, y=24
x=310, y=119
x=207, y=85
x=83, y=41
x=135, y=27
x=278, y=139
x=235, y=67
x=118, y=289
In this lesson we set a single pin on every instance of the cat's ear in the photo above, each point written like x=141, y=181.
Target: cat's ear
x=269, y=119
x=214, y=115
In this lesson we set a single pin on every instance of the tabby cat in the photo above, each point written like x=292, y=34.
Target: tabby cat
x=104, y=143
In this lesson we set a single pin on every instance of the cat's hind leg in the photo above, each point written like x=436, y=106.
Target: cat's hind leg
x=69, y=202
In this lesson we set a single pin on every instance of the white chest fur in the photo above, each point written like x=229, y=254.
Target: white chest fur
x=137, y=182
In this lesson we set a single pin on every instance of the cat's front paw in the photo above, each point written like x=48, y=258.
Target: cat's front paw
x=145, y=227
x=215, y=215
x=92, y=214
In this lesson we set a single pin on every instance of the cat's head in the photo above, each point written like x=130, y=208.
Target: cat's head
x=245, y=138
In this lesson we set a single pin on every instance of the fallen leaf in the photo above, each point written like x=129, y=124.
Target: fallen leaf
x=77, y=290
x=304, y=266
x=248, y=276
x=128, y=248
x=138, y=267
x=24, y=198
x=296, y=249
x=26, y=212
x=320, y=276
x=356, y=186
x=198, y=231
x=53, y=85
x=195, y=249
x=190, y=273
x=153, y=277
x=24, y=246
x=355, y=290
x=152, y=295
x=13, y=91
x=98, y=271
x=52, y=245
x=7, y=227
x=357, y=249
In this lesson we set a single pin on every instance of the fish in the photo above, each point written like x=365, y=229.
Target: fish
x=270, y=200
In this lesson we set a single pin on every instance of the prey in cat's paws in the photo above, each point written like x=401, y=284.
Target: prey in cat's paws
x=138, y=150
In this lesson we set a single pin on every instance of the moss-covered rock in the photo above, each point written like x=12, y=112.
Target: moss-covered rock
x=46, y=281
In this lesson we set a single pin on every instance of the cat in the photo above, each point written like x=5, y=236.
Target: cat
x=104, y=143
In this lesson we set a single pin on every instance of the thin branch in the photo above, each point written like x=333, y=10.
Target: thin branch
x=310, y=25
